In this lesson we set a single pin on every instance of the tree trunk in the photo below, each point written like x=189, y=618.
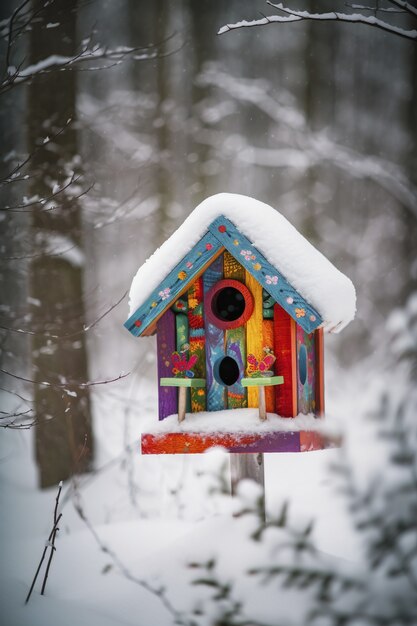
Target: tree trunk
x=64, y=443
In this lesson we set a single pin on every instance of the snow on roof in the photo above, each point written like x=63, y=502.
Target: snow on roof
x=317, y=280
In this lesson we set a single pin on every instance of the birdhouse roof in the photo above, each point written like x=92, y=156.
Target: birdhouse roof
x=290, y=268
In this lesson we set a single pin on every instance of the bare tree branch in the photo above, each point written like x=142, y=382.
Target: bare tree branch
x=291, y=15
x=406, y=6
x=10, y=33
x=67, y=385
x=159, y=592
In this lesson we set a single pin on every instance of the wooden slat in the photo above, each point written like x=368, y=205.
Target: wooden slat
x=268, y=276
x=216, y=393
x=268, y=341
x=181, y=330
x=168, y=404
x=193, y=383
x=254, y=338
x=286, y=364
x=197, y=341
x=174, y=284
x=319, y=341
x=266, y=381
x=306, y=391
x=235, y=340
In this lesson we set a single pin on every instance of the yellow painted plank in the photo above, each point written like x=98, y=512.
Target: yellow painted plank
x=254, y=334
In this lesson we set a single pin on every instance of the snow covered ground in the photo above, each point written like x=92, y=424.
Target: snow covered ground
x=149, y=518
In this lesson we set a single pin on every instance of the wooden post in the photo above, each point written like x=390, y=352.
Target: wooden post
x=182, y=403
x=262, y=403
x=248, y=465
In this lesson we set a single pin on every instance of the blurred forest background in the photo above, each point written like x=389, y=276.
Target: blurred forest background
x=317, y=119
x=117, y=118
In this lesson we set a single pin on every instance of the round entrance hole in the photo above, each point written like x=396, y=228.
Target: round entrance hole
x=226, y=371
x=228, y=304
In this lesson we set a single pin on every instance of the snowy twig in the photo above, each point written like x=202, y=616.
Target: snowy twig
x=291, y=15
x=24, y=207
x=80, y=385
x=15, y=175
x=49, y=544
x=52, y=541
x=160, y=592
x=60, y=63
x=406, y=6
x=10, y=32
x=22, y=331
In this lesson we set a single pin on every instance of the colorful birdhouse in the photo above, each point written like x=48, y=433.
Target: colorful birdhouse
x=239, y=301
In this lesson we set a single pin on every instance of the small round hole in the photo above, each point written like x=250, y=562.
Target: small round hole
x=226, y=371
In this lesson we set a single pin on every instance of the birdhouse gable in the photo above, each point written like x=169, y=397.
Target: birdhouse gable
x=296, y=275
x=222, y=235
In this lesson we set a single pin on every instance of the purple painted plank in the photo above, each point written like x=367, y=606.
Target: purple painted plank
x=272, y=442
x=167, y=396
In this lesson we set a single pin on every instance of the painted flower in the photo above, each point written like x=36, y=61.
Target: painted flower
x=180, y=305
x=271, y=280
x=154, y=304
x=257, y=266
x=189, y=264
x=138, y=323
x=165, y=293
x=222, y=228
x=200, y=392
x=312, y=318
x=248, y=255
x=209, y=246
x=300, y=312
x=290, y=300
x=182, y=275
x=236, y=242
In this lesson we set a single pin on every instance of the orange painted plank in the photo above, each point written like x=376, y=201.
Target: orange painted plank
x=310, y=441
x=254, y=339
x=286, y=363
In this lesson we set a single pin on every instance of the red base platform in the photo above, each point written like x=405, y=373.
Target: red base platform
x=195, y=443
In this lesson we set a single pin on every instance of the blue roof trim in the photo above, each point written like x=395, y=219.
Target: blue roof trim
x=222, y=233
x=266, y=274
x=175, y=282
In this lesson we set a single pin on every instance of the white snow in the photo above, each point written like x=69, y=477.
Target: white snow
x=329, y=291
x=236, y=421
